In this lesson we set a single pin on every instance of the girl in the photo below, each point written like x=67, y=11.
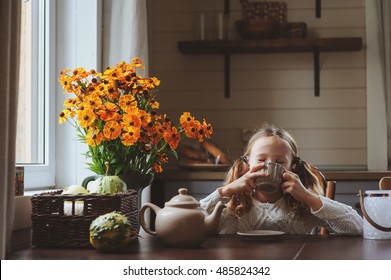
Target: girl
x=301, y=206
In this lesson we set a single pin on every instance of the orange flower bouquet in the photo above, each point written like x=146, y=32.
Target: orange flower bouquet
x=116, y=114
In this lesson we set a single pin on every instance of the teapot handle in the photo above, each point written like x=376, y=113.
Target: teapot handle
x=142, y=216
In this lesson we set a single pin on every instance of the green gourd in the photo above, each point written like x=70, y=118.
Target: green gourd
x=110, y=232
x=107, y=184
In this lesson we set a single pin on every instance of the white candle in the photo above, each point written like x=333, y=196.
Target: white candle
x=202, y=27
x=220, y=25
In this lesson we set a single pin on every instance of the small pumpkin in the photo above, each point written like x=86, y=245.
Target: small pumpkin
x=111, y=232
x=107, y=184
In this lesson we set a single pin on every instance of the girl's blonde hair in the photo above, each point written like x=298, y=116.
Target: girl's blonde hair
x=311, y=178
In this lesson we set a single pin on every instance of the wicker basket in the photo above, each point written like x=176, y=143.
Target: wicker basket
x=54, y=227
x=262, y=19
x=273, y=11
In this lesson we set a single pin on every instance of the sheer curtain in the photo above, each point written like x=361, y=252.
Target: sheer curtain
x=124, y=32
x=9, y=56
x=384, y=14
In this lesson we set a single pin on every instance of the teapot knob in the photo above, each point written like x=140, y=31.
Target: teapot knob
x=182, y=191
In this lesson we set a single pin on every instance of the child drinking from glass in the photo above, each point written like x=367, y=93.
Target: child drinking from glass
x=299, y=208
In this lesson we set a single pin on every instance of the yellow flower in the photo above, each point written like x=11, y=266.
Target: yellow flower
x=66, y=82
x=85, y=117
x=63, y=116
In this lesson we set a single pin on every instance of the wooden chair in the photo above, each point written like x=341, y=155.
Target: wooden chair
x=329, y=191
x=385, y=183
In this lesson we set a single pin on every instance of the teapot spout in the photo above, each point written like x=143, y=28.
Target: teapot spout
x=212, y=221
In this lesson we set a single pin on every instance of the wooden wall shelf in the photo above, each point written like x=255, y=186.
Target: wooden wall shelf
x=270, y=46
x=227, y=48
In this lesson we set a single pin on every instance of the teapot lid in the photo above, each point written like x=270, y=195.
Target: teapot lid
x=183, y=199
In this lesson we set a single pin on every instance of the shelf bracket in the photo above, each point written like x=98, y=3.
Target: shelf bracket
x=227, y=81
x=316, y=71
x=318, y=8
x=227, y=58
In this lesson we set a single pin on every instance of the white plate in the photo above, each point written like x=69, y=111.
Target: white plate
x=260, y=234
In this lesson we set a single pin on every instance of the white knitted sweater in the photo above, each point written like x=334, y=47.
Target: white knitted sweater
x=337, y=217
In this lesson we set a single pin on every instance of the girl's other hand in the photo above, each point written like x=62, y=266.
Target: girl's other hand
x=294, y=187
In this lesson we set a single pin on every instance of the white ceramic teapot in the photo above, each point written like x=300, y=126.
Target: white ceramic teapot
x=182, y=222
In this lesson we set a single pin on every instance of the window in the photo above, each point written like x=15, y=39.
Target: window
x=34, y=146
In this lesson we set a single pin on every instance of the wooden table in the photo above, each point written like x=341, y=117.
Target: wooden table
x=231, y=247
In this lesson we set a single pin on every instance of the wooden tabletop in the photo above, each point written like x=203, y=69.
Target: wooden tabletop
x=230, y=247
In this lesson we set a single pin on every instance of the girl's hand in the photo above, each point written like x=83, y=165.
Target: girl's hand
x=244, y=183
x=294, y=187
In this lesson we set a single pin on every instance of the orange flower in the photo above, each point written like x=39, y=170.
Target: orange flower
x=157, y=167
x=137, y=63
x=185, y=119
x=111, y=130
x=108, y=111
x=71, y=103
x=154, y=104
x=116, y=115
x=192, y=129
x=144, y=117
x=207, y=129
x=79, y=73
x=172, y=137
x=93, y=101
x=131, y=120
x=94, y=138
x=130, y=137
x=127, y=101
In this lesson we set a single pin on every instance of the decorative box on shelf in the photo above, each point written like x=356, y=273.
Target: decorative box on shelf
x=64, y=220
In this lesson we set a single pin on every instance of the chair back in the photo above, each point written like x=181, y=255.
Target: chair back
x=329, y=191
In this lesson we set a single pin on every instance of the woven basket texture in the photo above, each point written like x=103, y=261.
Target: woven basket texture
x=255, y=10
x=54, y=227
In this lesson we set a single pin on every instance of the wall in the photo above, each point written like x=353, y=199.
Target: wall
x=331, y=130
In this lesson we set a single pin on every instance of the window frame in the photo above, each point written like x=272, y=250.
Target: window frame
x=41, y=176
